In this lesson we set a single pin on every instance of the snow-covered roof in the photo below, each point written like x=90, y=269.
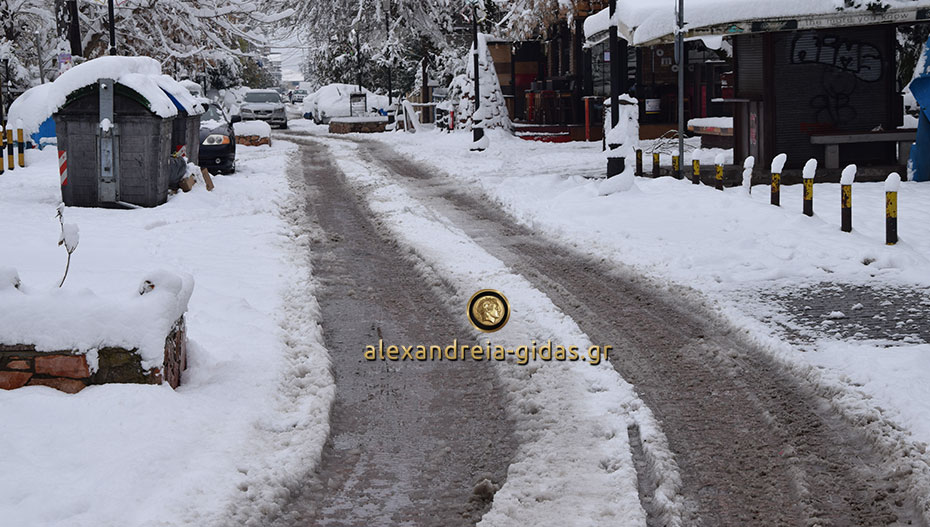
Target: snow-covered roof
x=140, y=74
x=643, y=23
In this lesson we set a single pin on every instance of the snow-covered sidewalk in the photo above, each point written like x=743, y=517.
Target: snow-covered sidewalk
x=253, y=405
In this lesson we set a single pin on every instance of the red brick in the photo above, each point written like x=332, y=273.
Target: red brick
x=17, y=365
x=65, y=385
x=74, y=366
x=11, y=380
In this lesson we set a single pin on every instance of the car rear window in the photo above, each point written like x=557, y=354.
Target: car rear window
x=262, y=97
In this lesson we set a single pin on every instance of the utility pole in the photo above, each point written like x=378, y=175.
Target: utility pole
x=387, y=35
x=682, y=60
x=358, y=61
x=112, y=27
x=618, y=58
x=41, y=59
x=477, y=128
x=6, y=67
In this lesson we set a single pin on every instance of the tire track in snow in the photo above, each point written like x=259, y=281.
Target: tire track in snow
x=574, y=465
x=755, y=444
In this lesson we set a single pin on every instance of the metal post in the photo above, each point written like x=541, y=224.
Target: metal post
x=696, y=172
x=891, y=218
x=112, y=27
x=358, y=60
x=6, y=67
x=846, y=208
x=776, y=189
x=74, y=30
x=614, y=165
x=477, y=129
x=718, y=176
x=639, y=163
x=9, y=147
x=808, y=197
x=682, y=61
x=20, y=144
x=655, y=164
x=676, y=167
x=387, y=34
x=41, y=59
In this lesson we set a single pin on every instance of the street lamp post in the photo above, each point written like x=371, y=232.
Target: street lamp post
x=682, y=60
x=112, y=27
x=615, y=164
x=477, y=128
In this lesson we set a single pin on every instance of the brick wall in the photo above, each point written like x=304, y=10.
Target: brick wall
x=68, y=370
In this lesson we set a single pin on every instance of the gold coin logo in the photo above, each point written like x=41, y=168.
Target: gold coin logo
x=488, y=310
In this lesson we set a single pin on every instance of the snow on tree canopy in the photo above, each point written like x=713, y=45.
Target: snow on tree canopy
x=141, y=74
x=644, y=21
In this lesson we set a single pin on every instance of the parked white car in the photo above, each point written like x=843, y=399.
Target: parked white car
x=332, y=100
x=264, y=105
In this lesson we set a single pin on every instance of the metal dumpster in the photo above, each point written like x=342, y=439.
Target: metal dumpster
x=117, y=149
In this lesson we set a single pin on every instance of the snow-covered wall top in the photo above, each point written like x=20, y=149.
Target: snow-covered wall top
x=644, y=21
x=142, y=74
x=63, y=319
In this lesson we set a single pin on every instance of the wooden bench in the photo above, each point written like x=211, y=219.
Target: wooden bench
x=832, y=143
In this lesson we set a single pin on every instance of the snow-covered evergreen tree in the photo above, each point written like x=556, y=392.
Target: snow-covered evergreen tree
x=493, y=108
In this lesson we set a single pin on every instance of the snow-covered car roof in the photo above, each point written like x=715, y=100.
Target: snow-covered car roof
x=262, y=90
x=165, y=96
x=651, y=22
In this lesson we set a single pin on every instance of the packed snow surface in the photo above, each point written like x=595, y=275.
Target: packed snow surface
x=711, y=122
x=848, y=175
x=736, y=251
x=251, y=414
x=252, y=128
x=778, y=163
x=810, y=169
x=893, y=182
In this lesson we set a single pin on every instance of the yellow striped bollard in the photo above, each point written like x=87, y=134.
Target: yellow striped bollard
x=892, y=183
x=810, y=169
x=846, y=181
x=20, y=144
x=639, y=163
x=778, y=164
x=655, y=164
x=718, y=172
x=9, y=148
x=696, y=172
x=676, y=167
x=2, y=145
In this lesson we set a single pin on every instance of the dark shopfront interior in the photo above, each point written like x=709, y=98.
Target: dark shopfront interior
x=581, y=82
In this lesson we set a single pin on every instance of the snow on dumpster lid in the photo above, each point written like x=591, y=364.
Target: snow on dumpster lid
x=140, y=74
x=32, y=108
x=646, y=22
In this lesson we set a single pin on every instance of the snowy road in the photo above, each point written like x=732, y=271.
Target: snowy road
x=409, y=441
x=753, y=444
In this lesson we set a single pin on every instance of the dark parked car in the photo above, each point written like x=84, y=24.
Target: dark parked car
x=217, y=141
